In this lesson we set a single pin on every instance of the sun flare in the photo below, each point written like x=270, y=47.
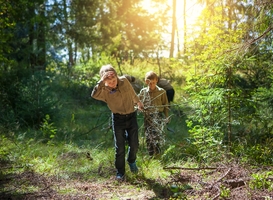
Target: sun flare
x=193, y=10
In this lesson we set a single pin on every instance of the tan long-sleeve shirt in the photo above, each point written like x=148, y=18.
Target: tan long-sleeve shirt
x=121, y=100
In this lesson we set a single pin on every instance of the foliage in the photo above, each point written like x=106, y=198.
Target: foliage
x=34, y=33
x=261, y=181
x=226, y=105
x=50, y=59
x=48, y=129
x=223, y=80
x=82, y=146
x=26, y=98
x=259, y=152
x=225, y=192
x=262, y=123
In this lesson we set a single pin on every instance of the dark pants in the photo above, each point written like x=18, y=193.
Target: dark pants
x=125, y=127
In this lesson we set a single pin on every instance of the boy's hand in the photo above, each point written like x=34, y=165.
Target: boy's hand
x=167, y=120
x=107, y=75
x=140, y=106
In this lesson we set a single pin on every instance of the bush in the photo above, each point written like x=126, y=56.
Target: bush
x=26, y=98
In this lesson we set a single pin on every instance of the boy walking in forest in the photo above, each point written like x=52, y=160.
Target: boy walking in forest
x=121, y=98
x=155, y=103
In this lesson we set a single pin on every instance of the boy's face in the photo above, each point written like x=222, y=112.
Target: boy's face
x=151, y=83
x=111, y=82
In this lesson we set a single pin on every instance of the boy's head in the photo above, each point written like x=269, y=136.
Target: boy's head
x=151, y=79
x=108, y=75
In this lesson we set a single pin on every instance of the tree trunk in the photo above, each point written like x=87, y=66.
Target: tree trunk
x=173, y=28
x=41, y=39
x=185, y=27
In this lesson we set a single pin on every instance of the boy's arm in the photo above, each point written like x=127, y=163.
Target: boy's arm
x=141, y=97
x=135, y=97
x=165, y=103
x=97, y=91
x=138, y=101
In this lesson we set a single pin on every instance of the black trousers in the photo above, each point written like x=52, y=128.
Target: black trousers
x=125, y=127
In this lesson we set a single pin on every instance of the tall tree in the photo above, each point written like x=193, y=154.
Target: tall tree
x=173, y=28
x=185, y=27
x=120, y=28
x=26, y=45
x=40, y=29
x=7, y=26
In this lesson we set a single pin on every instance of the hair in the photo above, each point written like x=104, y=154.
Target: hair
x=107, y=68
x=151, y=76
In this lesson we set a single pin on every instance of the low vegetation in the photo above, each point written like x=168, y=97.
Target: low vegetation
x=56, y=141
x=59, y=145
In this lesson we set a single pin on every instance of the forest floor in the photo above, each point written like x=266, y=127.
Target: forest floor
x=223, y=182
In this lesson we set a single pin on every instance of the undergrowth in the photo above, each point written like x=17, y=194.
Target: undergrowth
x=74, y=141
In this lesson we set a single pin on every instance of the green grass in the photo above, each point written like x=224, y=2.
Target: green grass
x=76, y=143
x=82, y=148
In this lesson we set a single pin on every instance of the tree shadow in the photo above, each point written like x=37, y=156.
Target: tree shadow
x=161, y=190
x=23, y=185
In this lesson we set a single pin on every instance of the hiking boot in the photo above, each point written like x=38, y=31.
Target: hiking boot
x=133, y=167
x=119, y=177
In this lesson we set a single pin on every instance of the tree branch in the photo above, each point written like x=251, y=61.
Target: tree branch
x=199, y=168
x=261, y=36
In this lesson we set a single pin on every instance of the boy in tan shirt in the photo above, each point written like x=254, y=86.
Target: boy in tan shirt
x=121, y=98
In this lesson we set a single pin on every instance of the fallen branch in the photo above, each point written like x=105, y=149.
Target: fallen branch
x=223, y=175
x=218, y=195
x=199, y=168
x=235, y=183
x=219, y=179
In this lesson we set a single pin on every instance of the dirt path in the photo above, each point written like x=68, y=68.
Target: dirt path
x=225, y=182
